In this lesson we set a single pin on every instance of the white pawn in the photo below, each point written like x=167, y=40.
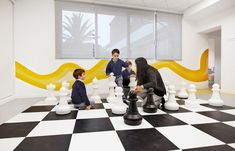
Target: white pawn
x=132, y=83
x=63, y=107
x=166, y=83
x=215, y=99
x=192, y=99
x=171, y=104
x=50, y=98
x=95, y=95
x=117, y=106
x=66, y=86
x=112, y=86
x=183, y=93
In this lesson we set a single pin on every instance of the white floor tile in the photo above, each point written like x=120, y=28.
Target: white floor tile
x=107, y=105
x=232, y=111
x=230, y=123
x=45, y=103
x=202, y=101
x=28, y=117
x=96, y=113
x=9, y=144
x=197, y=109
x=187, y=136
x=140, y=109
x=193, y=118
x=45, y=128
x=97, y=141
x=118, y=124
x=71, y=107
x=232, y=145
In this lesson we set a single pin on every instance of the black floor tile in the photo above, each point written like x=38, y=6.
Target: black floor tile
x=224, y=107
x=109, y=112
x=220, y=131
x=93, y=125
x=212, y=148
x=45, y=143
x=40, y=108
x=98, y=106
x=163, y=120
x=104, y=100
x=16, y=129
x=54, y=116
x=217, y=115
x=145, y=140
x=180, y=102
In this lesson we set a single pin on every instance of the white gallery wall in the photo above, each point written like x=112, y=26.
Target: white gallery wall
x=6, y=49
x=35, y=46
x=227, y=22
x=220, y=15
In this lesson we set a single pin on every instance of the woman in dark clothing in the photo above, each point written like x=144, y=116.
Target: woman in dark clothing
x=149, y=77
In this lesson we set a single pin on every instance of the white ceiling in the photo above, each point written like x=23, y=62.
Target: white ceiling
x=166, y=5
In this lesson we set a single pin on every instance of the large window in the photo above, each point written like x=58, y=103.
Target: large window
x=169, y=28
x=92, y=31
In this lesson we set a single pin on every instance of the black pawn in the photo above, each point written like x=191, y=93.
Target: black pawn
x=132, y=116
x=150, y=106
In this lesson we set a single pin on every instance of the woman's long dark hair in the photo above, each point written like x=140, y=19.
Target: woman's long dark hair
x=141, y=67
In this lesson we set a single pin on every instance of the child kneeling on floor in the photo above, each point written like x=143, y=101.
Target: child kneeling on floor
x=79, y=95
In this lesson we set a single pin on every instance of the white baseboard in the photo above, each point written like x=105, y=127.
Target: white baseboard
x=6, y=99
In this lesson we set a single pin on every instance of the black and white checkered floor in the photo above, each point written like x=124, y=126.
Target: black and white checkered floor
x=39, y=128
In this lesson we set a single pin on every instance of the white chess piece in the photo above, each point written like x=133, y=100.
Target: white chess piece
x=183, y=93
x=112, y=86
x=132, y=83
x=192, y=100
x=171, y=104
x=63, y=107
x=95, y=95
x=215, y=99
x=166, y=83
x=66, y=86
x=117, y=106
x=50, y=98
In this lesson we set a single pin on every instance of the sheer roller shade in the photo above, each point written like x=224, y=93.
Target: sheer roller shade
x=86, y=30
x=169, y=29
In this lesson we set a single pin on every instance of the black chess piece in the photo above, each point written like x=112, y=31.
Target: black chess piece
x=132, y=116
x=150, y=106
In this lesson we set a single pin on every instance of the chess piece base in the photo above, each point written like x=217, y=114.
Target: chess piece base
x=150, y=108
x=130, y=119
x=171, y=106
x=216, y=102
x=119, y=110
x=183, y=95
x=63, y=110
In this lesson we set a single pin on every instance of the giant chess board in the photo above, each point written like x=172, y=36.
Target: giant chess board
x=39, y=128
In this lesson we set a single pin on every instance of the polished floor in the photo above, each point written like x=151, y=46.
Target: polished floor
x=37, y=127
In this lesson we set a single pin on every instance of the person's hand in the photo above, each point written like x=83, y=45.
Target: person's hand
x=138, y=89
x=88, y=107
